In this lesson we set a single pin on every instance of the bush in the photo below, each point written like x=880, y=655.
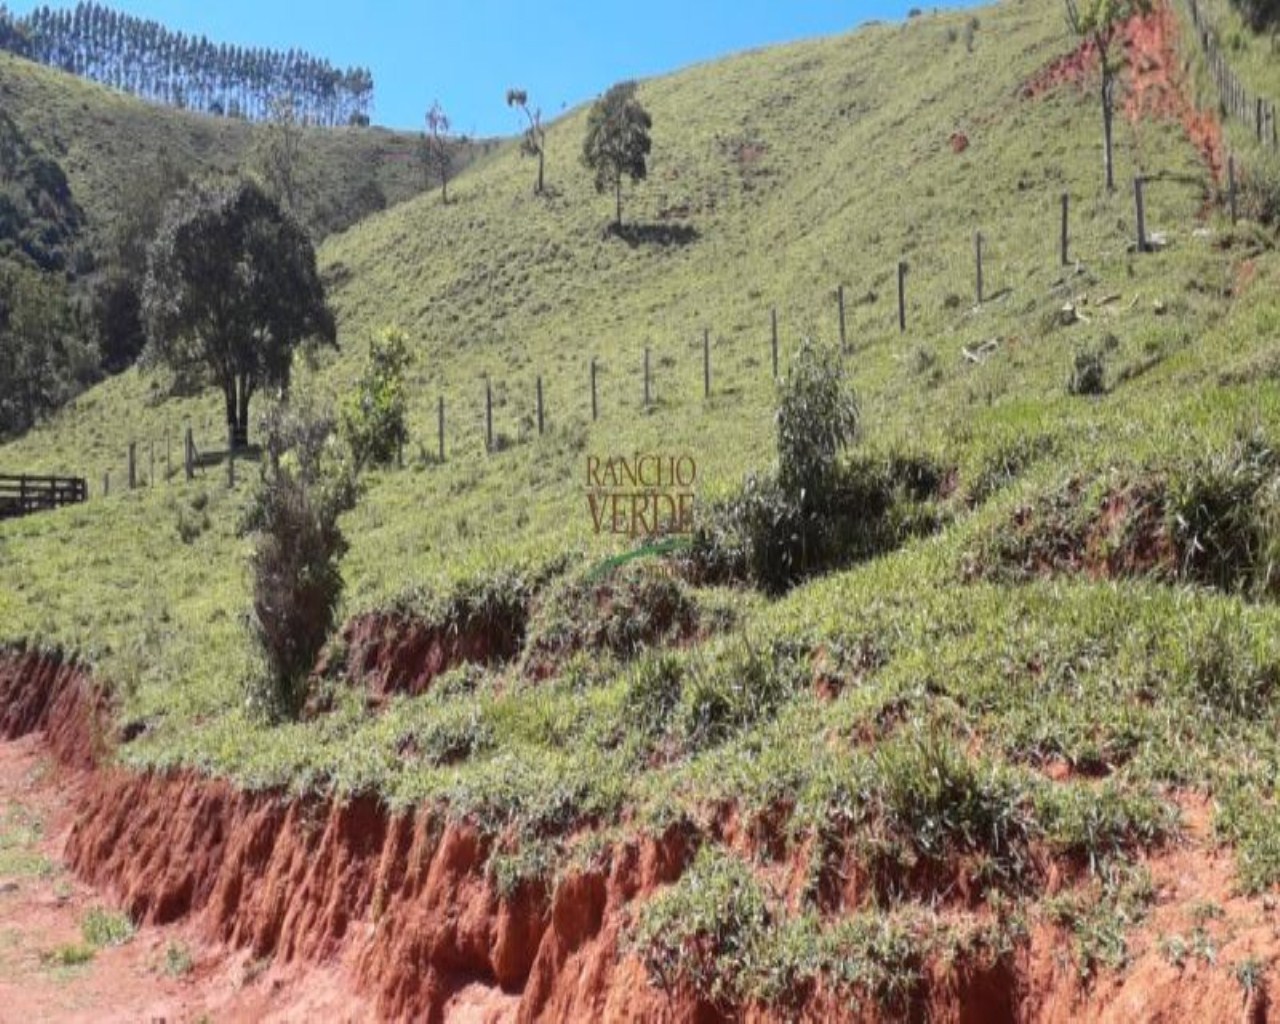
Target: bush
x=704, y=934
x=817, y=417
x=1260, y=190
x=296, y=581
x=102, y=928
x=1260, y=14
x=742, y=685
x=373, y=420
x=1222, y=513
x=1088, y=374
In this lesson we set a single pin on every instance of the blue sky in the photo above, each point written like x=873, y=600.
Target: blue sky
x=466, y=53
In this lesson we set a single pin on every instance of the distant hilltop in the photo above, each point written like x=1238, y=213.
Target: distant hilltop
x=147, y=59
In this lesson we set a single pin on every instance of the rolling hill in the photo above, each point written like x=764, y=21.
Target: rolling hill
x=107, y=143
x=1015, y=760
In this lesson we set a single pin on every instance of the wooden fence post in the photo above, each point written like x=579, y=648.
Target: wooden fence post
x=1066, y=210
x=774, y=319
x=488, y=415
x=902, y=297
x=706, y=362
x=133, y=465
x=231, y=466
x=840, y=304
x=539, y=405
x=646, y=376
x=977, y=252
x=106, y=483
x=440, y=426
x=1231, y=186
x=1259, y=118
x=595, y=406
x=189, y=458
x=1142, y=217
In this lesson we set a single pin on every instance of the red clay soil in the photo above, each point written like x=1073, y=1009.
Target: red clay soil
x=390, y=654
x=1155, y=84
x=394, y=917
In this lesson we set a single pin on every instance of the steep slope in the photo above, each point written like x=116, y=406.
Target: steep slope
x=1001, y=745
x=108, y=143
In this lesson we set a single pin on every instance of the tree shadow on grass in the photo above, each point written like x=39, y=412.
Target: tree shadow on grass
x=660, y=235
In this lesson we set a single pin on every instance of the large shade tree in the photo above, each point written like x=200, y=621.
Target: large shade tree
x=231, y=291
x=617, y=141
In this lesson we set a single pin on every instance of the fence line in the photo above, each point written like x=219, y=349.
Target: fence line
x=23, y=495
x=195, y=462
x=1253, y=110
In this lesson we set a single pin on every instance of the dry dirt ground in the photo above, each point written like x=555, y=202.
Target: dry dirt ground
x=43, y=907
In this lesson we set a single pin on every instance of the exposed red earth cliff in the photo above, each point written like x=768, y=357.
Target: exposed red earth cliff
x=401, y=906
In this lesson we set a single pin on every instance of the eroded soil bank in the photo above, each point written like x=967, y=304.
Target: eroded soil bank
x=394, y=916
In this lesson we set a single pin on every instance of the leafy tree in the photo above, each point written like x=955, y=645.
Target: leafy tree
x=44, y=358
x=373, y=420
x=231, y=291
x=534, y=140
x=117, y=321
x=281, y=152
x=143, y=198
x=1100, y=21
x=617, y=141
x=435, y=150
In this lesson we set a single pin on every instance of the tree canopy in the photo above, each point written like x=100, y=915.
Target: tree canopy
x=147, y=59
x=617, y=142
x=435, y=151
x=231, y=291
x=534, y=140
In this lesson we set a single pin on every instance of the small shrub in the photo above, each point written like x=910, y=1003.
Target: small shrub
x=1088, y=374
x=102, y=928
x=296, y=580
x=938, y=802
x=70, y=955
x=1222, y=511
x=1101, y=825
x=373, y=419
x=1007, y=461
x=740, y=686
x=923, y=360
x=177, y=960
x=193, y=519
x=817, y=417
x=1101, y=918
x=653, y=692
x=1248, y=820
x=703, y=934
x=1260, y=190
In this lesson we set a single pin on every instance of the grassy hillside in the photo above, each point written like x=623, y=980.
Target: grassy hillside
x=107, y=142
x=1056, y=668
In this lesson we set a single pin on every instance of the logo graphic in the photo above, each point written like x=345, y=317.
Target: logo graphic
x=646, y=495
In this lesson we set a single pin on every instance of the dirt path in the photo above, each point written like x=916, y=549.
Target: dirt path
x=160, y=974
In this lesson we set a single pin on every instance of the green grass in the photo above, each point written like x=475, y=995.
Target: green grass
x=107, y=141
x=907, y=710
x=102, y=928
x=20, y=832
